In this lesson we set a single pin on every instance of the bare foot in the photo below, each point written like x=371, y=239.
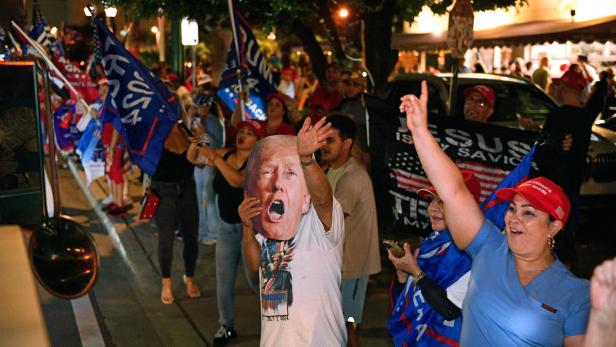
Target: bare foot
x=191, y=287
x=166, y=295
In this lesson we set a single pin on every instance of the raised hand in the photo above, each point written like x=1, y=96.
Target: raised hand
x=603, y=288
x=416, y=109
x=248, y=209
x=311, y=138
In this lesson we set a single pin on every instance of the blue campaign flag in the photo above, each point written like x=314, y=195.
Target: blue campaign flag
x=145, y=108
x=255, y=73
x=495, y=209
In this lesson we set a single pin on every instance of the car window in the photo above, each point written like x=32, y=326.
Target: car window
x=513, y=99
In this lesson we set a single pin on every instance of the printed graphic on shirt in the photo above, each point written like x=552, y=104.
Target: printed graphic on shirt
x=276, y=280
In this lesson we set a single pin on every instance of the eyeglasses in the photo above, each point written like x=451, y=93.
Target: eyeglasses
x=476, y=101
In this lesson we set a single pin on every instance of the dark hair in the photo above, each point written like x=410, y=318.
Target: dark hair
x=344, y=124
x=583, y=58
x=285, y=114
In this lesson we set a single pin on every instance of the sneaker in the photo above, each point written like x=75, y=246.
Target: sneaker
x=223, y=336
x=178, y=234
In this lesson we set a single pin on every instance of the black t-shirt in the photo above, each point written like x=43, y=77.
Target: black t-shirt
x=567, y=169
x=173, y=167
x=229, y=198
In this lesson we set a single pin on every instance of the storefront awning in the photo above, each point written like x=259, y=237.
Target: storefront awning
x=600, y=29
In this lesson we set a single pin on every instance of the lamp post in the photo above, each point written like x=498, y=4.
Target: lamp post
x=459, y=40
x=190, y=37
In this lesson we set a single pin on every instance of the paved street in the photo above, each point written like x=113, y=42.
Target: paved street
x=124, y=309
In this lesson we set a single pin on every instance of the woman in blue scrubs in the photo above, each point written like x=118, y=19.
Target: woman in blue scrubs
x=519, y=294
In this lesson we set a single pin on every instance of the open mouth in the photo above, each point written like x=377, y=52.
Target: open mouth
x=276, y=210
x=515, y=232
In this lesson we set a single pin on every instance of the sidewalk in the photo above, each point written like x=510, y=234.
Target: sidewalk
x=127, y=293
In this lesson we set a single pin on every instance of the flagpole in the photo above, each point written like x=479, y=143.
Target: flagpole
x=237, y=52
x=53, y=67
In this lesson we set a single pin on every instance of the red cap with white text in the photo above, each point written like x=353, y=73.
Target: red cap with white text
x=543, y=195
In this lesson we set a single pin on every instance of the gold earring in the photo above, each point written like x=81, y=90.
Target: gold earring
x=551, y=242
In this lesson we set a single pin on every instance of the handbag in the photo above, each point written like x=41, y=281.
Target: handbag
x=149, y=204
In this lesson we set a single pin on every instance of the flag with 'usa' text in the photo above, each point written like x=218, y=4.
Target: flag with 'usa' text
x=146, y=110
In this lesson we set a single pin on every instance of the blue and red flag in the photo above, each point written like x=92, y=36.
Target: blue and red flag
x=495, y=209
x=146, y=109
x=256, y=77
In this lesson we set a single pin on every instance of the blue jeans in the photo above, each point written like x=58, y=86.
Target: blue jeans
x=208, y=211
x=228, y=254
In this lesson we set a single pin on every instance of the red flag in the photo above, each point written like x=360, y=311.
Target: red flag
x=78, y=79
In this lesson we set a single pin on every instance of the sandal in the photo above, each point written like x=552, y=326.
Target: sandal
x=166, y=294
x=191, y=288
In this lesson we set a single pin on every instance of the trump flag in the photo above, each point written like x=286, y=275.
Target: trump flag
x=256, y=76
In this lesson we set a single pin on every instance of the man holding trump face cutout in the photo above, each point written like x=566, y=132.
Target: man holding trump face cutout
x=298, y=246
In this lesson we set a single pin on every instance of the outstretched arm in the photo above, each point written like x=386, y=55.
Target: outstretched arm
x=310, y=139
x=460, y=206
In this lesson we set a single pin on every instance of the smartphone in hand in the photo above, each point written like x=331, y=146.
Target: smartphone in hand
x=185, y=129
x=394, y=247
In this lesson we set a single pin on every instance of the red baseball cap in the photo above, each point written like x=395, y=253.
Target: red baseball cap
x=543, y=195
x=257, y=127
x=483, y=90
x=470, y=180
x=172, y=77
x=573, y=79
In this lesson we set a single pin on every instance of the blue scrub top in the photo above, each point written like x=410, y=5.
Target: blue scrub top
x=499, y=311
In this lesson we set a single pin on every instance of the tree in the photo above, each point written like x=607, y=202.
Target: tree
x=309, y=20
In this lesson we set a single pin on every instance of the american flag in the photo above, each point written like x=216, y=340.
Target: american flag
x=406, y=169
x=40, y=31
x=488, y=175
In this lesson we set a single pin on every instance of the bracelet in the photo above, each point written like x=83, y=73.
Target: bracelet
x=308, y=162
x=418, y=278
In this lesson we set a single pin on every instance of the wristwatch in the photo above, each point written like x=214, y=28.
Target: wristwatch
x=419, y=277
x=307, y=162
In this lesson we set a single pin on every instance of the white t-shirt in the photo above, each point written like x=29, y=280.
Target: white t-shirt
x=301, y=303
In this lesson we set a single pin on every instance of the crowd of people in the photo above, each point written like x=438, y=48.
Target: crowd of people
x=292, y=200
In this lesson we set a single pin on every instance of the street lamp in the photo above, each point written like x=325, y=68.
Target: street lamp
x=111, y=12
x=343, y=12
x=154, y=29
x=87, y=10
x=190, y=37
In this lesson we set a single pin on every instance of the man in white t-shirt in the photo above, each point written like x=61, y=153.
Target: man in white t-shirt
x=298, y=248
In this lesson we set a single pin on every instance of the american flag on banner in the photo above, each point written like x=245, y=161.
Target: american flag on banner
x=491, y=152
x=489, y=176
x=409, y=175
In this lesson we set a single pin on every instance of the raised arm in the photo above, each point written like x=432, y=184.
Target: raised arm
x=460, y=207
x=310, y=139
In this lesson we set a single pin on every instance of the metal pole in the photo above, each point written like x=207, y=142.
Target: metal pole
x=453, y=88
x=237, y=51
x=193, y=77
